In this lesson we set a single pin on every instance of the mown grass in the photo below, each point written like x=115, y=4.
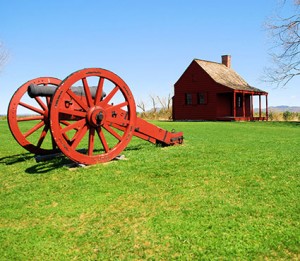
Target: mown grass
x=231, y=191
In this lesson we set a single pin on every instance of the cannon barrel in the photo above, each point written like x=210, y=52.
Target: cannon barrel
x=48, y=91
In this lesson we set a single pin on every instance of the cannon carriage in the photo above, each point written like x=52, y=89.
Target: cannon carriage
x=90, y=117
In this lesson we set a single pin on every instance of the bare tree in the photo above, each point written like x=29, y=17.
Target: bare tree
x=141, y=104
x=3, y=55
x=169, y=101
x=165, y=102
x=153, y=101
x=162, y=101
x=161, y=107
x=285, y=52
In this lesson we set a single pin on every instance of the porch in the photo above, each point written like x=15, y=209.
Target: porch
x=238, y=106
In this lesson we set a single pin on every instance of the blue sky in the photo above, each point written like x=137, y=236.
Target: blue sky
x=148, y=44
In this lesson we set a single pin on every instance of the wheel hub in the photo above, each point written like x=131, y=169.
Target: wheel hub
x=96, y=116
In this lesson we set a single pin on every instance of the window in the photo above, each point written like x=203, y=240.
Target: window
x=239, y=101
x=202, y=98
x=188, y=99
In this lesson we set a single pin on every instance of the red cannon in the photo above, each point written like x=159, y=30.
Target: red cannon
x=90, y=117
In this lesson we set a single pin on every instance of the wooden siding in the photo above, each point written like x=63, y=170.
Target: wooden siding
x=193, y=81
x=225, y=104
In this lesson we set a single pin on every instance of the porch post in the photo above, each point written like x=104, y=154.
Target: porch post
x=234, y=104
x=267, y=110
x=244, y=105
x=259, y=107
x=251, y=106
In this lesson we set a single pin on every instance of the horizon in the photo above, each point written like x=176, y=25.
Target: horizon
x=149, y=45
x=255, y=108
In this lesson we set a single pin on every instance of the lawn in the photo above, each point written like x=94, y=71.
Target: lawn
x=231, y=191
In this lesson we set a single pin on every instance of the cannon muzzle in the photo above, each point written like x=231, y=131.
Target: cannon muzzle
x=48, y=91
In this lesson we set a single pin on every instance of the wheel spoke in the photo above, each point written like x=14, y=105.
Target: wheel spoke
x=48, y=100
x=111, y=94
x=53, y=143
x=112, y=132
x=119, y=106
x=99, y=91
x=30, y=118
x=41, y=103
x=30, y=107
x=87, y=92
x=77, y=100
x=77, y=125
x=80, y=114
x=91, y=141
x=43, y=135
x=103, y=140
x=78, y=136
x=66, y=123
x=33, y=129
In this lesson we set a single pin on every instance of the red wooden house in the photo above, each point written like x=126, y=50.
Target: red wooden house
x=214, y=91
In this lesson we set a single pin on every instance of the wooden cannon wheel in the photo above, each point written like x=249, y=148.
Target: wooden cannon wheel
x=102, y=126
x=31, y=129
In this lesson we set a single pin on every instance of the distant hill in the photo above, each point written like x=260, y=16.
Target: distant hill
x=281, y=108
x=284, y=108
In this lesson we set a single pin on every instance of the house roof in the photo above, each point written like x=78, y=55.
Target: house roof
x=226, y=76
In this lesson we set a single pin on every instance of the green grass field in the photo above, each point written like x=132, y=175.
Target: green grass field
x=230, y=192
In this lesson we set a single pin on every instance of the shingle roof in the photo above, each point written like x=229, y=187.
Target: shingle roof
x=225, y=76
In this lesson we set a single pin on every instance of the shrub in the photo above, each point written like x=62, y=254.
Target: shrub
x=271, y=116
x=287, y=115
x=275, y=116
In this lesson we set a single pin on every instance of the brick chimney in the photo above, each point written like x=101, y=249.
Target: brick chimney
x=226, y=60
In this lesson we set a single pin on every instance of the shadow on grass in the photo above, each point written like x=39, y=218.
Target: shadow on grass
x=295, y=124
x=41, y=167
x=17, y=158
x=134, y=147
x=60, y=161
x=47, y=166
